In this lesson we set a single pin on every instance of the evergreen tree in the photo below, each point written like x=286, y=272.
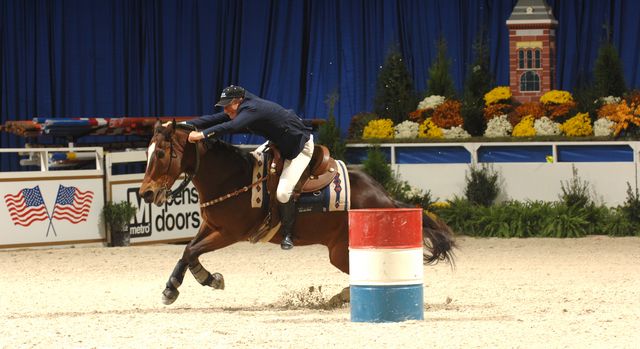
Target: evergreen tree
x=329, y=132
x=477, y=84
x=395, y=96
x=607, y=73
x=440, y=81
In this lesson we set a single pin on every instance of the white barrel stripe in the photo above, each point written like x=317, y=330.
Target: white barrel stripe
x=385, y=266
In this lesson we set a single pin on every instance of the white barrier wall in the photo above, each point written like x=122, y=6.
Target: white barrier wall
x=518, y=180
x=45, y=207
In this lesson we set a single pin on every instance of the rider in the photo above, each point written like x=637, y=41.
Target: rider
x=244, y=112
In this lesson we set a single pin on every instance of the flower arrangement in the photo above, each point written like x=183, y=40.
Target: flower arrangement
x=603, y=127
x=610, y=100
x=455, y=132
x=431, y=102
x=546, y=127
x=498, y=127
x=626, y=115
x=556, y=97
x=380, y=128
x=607, y=110
x=496, y=110
x=524, y=128
x=428, y=129
x=579, y=125
x=406, y=129
x=534, y=109
x=498, y=94
x=447, y=114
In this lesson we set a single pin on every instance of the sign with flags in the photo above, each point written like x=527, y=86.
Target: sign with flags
x=72, y=204
x=51, y=211
x=26, y=207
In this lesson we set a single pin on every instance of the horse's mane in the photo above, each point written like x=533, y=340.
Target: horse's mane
x=218, y=145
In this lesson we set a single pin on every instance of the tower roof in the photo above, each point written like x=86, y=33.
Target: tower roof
x=532, y=12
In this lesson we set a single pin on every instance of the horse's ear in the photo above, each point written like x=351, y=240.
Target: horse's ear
x=157, y=127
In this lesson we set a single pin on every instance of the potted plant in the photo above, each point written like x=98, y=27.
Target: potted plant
x=117, y=217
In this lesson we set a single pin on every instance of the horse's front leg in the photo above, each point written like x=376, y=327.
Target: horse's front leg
x=205, y=241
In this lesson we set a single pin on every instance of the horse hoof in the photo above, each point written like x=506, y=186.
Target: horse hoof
x=218, y=281
x=169, y=296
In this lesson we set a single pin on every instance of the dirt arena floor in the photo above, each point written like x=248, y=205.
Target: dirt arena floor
x=533, y=293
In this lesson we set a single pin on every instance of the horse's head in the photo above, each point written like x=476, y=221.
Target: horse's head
x=164, y=163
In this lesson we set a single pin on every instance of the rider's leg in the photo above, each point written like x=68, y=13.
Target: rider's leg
x=291, y=173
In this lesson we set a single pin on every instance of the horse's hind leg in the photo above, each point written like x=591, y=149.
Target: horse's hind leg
x=205, y=241
x=339, y=257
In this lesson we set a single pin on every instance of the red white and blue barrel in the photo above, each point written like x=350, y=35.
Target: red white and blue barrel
x=385, y=265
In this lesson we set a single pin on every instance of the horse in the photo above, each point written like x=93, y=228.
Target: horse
x=219, y=171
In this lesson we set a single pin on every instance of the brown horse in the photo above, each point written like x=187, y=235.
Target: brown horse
x=218, y=168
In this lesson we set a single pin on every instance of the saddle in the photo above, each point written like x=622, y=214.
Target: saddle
x=320, y=172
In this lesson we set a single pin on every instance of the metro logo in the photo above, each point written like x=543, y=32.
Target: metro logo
x=141, y=225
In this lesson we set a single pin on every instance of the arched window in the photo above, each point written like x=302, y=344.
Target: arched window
x=529, y=81
x=521, y=58
x=529, y=59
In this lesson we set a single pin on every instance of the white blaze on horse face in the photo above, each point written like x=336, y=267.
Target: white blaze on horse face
x=150, y=151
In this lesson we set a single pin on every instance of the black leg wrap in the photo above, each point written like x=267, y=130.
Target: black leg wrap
x=177, y=275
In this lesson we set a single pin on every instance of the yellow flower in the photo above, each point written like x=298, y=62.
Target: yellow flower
x=524, y=128
x=556, y=97
x=428, y=129
x=381, y=128
x=440, y=204
x=579, y=125
x=500, y=93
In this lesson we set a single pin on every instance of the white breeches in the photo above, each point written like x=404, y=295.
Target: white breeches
x=292, y=171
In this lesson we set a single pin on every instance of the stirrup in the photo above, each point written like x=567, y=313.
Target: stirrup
x=286, y=243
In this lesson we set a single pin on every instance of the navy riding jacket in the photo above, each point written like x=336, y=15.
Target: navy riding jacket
x=259, y=116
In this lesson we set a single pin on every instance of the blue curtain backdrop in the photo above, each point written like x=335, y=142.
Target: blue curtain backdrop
x=78, y=58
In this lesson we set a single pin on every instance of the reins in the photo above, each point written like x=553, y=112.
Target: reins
x=235, y=193
x=188, y=177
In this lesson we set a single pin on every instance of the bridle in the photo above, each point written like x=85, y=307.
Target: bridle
x=188, y=176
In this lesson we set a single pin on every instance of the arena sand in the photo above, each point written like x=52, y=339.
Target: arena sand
x=517, y=293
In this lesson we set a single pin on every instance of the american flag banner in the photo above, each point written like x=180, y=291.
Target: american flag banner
x=26, y=207
x=72, y=204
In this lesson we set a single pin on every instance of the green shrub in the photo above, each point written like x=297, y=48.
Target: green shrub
x=376, y=166
x=575, y=192
x=440, y=82
x=395, y=96
x=118, y=215
x=329, y=132
x=403, y=191
x=482, y=185
x=631, y=207
x=565, y=222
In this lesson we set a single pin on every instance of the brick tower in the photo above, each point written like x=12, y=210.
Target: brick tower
x=532, y=45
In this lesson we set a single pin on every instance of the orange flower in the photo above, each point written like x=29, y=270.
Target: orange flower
x=625, y=115
x=447, y=114
x=607, y=110
x=559, y=110
x=496, y=110
x=534, y=109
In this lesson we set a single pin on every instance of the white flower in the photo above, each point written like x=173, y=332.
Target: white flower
x=546, y=127
x=406, y=129
x=455, y=132
x=610, y=100
x=431, y=102
x=603, y=127
x=498, y=126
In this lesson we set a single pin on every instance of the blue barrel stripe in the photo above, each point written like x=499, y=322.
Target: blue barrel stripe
x=401, y=303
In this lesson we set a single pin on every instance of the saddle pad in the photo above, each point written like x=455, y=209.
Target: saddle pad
x=334, y=197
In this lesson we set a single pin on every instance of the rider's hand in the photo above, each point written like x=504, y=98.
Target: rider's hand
x=195, y=136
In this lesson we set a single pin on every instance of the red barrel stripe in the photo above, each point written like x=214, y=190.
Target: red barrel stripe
x=385, y=228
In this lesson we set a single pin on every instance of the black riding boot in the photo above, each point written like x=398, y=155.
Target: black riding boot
x=287, y=217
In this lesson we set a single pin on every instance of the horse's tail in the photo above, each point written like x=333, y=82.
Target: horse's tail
x=437, y=238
